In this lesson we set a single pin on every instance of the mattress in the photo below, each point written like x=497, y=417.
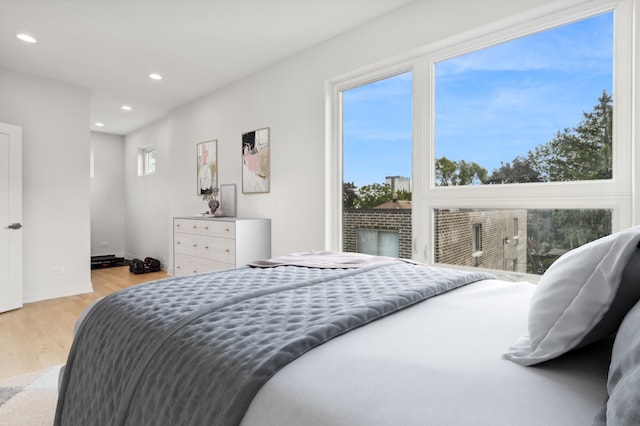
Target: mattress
x=437, y=363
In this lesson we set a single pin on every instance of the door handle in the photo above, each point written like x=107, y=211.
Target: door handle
x=15, y=226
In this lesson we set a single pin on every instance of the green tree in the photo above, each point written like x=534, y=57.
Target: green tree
x=579, y=153
x=369, y=196
x=562, y=229
x=450, y=173
x=520, y=170
x=403, y=194
x=445, y=172
x=372, y=195
x=471, y=173
x=582, y=152
x=348, y=195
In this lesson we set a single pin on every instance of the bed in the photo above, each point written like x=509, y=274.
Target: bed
x=342, y=339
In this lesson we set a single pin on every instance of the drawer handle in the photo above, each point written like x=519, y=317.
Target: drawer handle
x=227, y=250
x=177, y=267
x=195, y=245
x=206, y=227
x=227, y=229
x=177, y=225
x=195, y=272
x=206, y=247
x=195, y=226
x=177, y=242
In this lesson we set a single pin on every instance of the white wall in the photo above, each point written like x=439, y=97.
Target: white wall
x=54, y=117
x=147, y=224
x=107, y=195
x=289, y=97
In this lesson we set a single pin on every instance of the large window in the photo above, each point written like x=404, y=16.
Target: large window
x=529, y=126
x=377, y=139
x=534, y=109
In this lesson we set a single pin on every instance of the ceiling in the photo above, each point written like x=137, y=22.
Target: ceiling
x=198, y=46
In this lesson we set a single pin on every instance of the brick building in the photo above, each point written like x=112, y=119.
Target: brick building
x=391, y=225
x=492, y=239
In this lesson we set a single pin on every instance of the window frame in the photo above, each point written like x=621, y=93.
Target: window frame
x=616, y=194
x=92, y=163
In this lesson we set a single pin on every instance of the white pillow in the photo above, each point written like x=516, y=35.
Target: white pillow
x=575, y=296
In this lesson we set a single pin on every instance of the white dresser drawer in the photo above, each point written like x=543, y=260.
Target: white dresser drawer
x=219, y=229
x=220, y=249
x=187, y=243
x=187, y=226
x=186, y=265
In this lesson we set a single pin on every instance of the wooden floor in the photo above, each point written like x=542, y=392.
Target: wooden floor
x=39, y=334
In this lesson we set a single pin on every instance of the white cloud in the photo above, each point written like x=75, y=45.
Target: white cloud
x=566, y=49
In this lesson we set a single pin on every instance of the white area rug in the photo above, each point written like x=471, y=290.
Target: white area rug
x=29, y=399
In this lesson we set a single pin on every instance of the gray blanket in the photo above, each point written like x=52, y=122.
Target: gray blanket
x=195, y=350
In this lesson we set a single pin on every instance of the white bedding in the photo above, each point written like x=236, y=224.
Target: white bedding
x=437, y=363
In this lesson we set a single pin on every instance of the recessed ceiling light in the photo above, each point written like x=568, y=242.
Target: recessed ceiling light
x=126, y=107
x=155, y=76
x=99, y=124
x=26, y=38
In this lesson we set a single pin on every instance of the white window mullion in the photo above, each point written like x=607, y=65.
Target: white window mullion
x=333, y=167
x=422, y=169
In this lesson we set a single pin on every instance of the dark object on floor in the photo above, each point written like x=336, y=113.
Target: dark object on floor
x=149, y=264
x=136, y=266
x=106, y=261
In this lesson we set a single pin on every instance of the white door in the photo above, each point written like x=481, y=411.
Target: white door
x=10, y=217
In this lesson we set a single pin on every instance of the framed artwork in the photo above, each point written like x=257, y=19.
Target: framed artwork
x=207, y=171
x=256, y=173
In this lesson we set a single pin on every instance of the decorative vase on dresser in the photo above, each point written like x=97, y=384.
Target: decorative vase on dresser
x=202, y=244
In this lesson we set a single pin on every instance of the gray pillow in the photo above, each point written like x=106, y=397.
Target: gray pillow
x=628, y=294
x=623, y=385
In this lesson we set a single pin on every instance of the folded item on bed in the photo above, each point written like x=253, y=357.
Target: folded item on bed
x=196, y=349
x=322, y=259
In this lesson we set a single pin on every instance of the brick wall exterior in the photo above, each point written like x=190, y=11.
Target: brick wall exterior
x=382, y=219
x=501, y=249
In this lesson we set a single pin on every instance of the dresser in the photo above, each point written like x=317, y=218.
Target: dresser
x=205, y=244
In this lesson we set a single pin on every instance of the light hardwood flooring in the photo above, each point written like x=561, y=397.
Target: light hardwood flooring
x=39, y=334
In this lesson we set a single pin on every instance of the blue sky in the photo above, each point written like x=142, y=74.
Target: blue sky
x=491, y=105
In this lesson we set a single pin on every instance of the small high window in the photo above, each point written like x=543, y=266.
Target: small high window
x=146, y=161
